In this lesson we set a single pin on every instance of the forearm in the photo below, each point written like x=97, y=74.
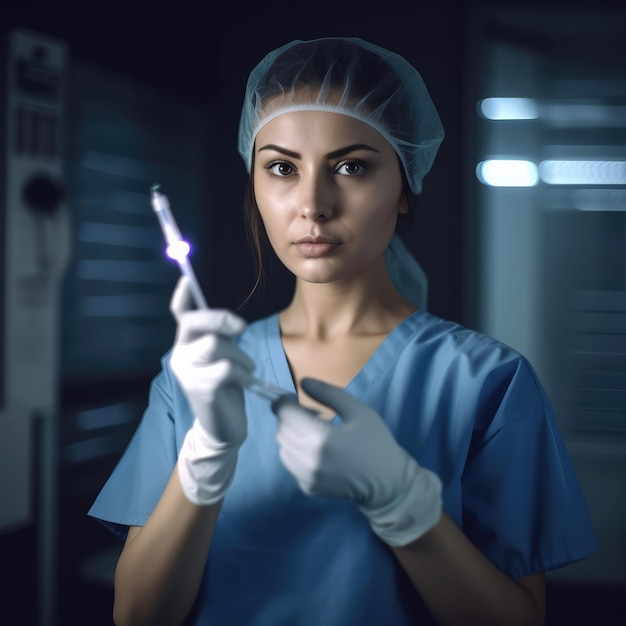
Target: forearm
x=160, y=569
x=461, y=586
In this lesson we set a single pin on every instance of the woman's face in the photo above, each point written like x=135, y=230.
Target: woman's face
x=329, y=189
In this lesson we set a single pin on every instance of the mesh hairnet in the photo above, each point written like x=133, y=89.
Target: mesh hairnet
x=350, y=76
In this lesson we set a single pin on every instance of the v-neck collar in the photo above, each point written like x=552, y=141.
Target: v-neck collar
x=385, y=354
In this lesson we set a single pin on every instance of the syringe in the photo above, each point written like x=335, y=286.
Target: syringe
x=178, y=249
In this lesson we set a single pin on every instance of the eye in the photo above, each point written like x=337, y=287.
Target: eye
x=351, y=168
x=280, y=168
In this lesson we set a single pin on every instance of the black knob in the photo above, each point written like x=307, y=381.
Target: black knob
x=42, y=194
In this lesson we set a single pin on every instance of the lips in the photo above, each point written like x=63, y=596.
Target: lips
x=316, y=247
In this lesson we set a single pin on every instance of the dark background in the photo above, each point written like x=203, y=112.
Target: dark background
x=202, y=53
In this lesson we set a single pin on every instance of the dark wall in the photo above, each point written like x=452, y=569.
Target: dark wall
x=205, y=59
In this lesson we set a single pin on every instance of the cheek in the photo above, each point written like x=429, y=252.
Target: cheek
x=379, y=209
x=267, y=205
x=273, y=218
x=381, y=197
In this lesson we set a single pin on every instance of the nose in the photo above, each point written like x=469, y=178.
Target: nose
x=316, y=196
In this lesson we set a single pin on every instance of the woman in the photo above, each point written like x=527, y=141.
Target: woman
x=423, y=481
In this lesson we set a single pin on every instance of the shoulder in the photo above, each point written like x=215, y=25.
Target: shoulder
x=484, y=369
x=449, y=342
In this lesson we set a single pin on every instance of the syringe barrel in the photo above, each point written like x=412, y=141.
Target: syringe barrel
x=161, y=207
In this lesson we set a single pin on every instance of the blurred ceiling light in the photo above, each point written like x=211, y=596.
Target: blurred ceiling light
x=583, y=172
x=509, y=109
x=507, y=173
x=585, y=115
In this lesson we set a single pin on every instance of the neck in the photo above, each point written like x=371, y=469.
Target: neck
x=364, y=305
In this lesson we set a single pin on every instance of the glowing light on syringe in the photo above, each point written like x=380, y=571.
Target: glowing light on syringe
x=178, y=250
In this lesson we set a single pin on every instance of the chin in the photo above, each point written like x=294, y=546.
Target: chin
x=321, y=278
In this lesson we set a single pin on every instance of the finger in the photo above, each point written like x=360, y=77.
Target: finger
x=294, y=464
x=225, y=371
x=207, y=320
x=193, y=324
x=211, y=348
x=345, y=404
x=300, y=429
x=181, y=300
x=287, y=408
x=207, y=378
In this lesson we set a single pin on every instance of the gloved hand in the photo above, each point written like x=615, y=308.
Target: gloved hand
x=358, y=459
x=212, y=371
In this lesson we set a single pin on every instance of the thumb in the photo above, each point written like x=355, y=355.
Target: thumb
x=344, y=404
x=287, y=408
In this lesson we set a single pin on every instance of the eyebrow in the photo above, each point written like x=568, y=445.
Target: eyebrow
x=331, y=155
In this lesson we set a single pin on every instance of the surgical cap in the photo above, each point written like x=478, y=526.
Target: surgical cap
x=350, y=76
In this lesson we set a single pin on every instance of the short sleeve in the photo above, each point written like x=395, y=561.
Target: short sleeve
x=138, y=480
x=522, y=503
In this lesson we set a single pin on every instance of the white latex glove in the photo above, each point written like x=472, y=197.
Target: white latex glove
x=358, y=459
x=212, y=371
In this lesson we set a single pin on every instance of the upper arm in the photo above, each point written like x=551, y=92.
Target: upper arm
x=133, y=531
x=535, y=586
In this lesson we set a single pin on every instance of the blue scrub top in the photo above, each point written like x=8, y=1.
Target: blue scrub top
x=462, y=404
